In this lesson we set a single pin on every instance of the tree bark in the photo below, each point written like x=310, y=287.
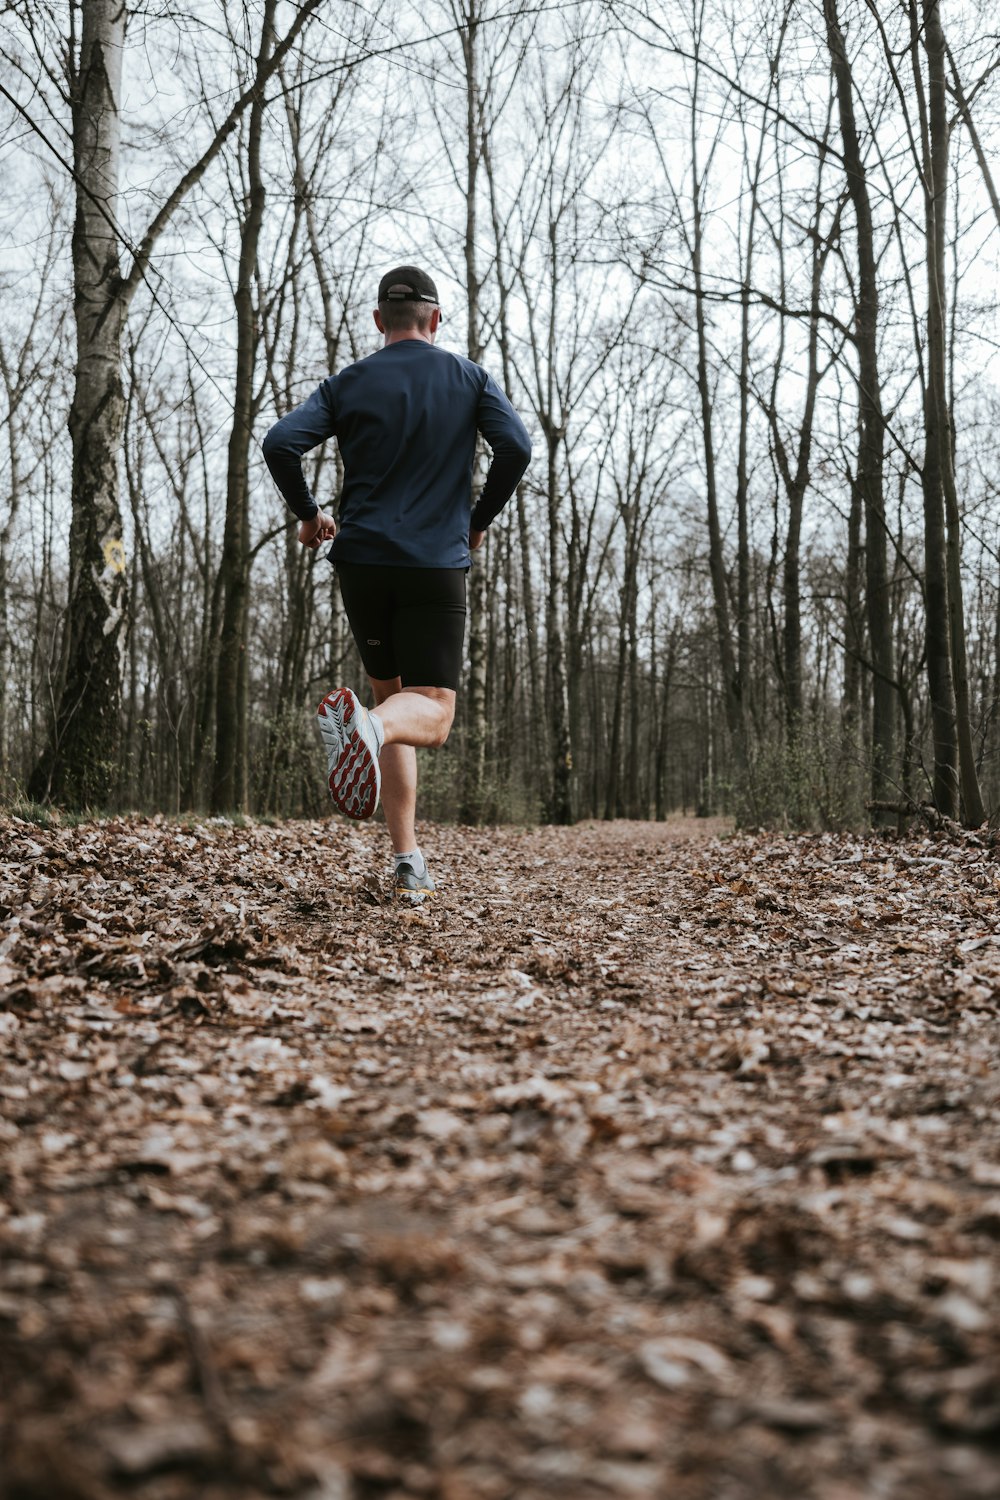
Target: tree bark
x=14, y=487
x=230, y=784
x=940, y=496
x=796, y=483
x=80, y=763
x=523, y=529
x=731, y=686
x=561, y=807
x=663, y=725
x=853, y=632
x=476, y=729
x=163, y=628
x=871, y=421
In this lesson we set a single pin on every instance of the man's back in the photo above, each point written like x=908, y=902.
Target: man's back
x=406, y=420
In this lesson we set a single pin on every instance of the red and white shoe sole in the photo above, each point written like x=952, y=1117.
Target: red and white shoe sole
x=354, y=780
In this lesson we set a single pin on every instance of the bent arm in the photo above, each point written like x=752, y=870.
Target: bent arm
x=286, y=442
x=506, y=434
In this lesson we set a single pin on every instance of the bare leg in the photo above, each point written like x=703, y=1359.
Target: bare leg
x=414, y=716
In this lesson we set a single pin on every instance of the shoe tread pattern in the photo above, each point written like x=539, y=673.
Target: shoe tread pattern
x=353, y=780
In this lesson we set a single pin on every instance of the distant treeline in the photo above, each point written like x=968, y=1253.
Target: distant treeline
x=738, y=271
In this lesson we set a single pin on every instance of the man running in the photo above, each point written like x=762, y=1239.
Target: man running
x=405, y=420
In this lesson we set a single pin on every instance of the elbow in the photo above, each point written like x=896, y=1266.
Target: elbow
x=271, y=446
x=517, y=451
x=278, y=446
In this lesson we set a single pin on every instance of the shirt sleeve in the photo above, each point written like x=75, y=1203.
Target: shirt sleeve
x=507, y=436
x=304, y=428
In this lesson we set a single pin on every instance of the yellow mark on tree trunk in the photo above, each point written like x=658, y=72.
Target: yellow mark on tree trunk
x=114, y=556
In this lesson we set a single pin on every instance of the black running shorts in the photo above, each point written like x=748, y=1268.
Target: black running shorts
x=407, y=622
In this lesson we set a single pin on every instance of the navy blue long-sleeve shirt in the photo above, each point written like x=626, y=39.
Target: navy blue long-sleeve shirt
x=405, y=420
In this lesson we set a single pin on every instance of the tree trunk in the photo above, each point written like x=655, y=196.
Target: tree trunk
x=633, y=797
x=940, y=495
x=230, y=783
x=80, y=763
x=523, y=529
x=613, y=776
x=871, y=421
x=742, y=475
x=164, y=629
x=731, y=686
x=852, y=635
x=474, y=769
x=796, y=483
x=6, y=534
x=561, y=807
x=663, y=726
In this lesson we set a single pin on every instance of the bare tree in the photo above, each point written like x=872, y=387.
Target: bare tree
x=230, y=782
x=24, y=367
x=79, y=764
x=946, y=646
x=871, y=426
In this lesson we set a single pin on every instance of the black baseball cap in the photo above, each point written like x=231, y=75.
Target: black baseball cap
x=407, y=284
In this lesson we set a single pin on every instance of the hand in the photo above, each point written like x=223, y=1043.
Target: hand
x=476, y=540
x=321, y=528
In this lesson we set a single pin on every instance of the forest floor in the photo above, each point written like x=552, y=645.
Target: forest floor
x=645, y=1162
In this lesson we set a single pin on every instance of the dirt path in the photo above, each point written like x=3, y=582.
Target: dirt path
x=643, y=1164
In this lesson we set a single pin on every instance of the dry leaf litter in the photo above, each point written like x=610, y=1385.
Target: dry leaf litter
x=644, y=1163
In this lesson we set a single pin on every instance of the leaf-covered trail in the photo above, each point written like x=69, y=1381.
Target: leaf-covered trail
x=642, y=1164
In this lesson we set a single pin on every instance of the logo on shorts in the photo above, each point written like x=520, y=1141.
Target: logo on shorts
x=374, y=643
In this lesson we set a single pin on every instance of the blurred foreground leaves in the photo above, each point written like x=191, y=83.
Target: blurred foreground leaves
x=641, y=1164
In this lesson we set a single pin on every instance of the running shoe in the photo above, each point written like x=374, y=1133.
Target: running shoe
x=409, y=886
x=352, y=750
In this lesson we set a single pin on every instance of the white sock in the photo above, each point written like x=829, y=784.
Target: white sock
x=379, y=729
x=414, y=858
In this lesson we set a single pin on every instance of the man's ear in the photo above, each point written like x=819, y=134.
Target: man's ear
x=435, y=322
x=378, y=320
